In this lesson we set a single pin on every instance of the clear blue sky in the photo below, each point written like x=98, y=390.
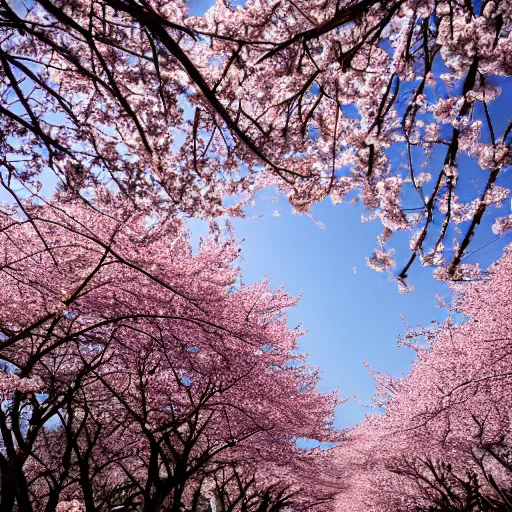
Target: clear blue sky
x=350, y=317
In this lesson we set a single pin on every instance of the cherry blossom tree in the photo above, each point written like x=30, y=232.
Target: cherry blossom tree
x=339, y=99
x=444, y=442
x=137, y=375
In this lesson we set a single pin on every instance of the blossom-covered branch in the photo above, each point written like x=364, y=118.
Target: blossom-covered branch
x=345, y=100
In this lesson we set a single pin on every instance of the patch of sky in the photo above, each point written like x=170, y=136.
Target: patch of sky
x=199, y=7
x=308, y=444
x=458, y=318
x=350, y=111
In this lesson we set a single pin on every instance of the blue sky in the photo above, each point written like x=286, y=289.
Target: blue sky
x=350, y=317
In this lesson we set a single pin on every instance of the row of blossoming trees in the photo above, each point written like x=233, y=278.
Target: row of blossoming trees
x=136, y=375
x=445, y=441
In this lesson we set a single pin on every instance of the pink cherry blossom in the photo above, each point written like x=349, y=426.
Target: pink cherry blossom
x=138, y=373
x=444, y=441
